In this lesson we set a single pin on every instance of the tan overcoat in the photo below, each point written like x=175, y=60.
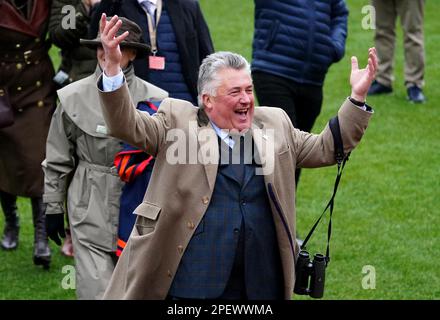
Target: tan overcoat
x=179, y=194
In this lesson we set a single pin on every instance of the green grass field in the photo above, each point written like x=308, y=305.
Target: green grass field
x=386, y=213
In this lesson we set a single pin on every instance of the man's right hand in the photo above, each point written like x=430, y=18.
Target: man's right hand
x=110, y=44
x=55, y=227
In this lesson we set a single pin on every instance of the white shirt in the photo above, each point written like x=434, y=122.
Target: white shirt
x=149, y=5
x=112, y=83
x=224, y=135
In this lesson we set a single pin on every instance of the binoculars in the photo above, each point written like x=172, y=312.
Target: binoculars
x=310, y=275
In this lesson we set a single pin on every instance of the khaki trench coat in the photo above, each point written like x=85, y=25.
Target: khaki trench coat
x=179, y=194
x=26, y=73
x=79, y=161
x=79, y=166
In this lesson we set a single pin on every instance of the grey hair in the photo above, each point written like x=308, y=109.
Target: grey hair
x=208, y=81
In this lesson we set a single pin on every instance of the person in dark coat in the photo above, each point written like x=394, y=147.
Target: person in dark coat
x=183, y=41
x=295, y=42
x=77, y=62
x=26, y=74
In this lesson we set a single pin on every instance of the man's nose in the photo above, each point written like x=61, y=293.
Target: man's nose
x=245, y=97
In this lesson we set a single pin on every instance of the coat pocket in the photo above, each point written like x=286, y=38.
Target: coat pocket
x=147, y=216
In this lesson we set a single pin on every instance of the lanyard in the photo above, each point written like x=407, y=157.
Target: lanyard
x=153, y=29
x=341, y=159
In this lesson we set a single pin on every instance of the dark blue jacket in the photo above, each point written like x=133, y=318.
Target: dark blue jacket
x=299, y=39
x=171, y=79
x=191, y=31
x=134, y=168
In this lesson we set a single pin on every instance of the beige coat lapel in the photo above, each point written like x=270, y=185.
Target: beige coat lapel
x=265, y=145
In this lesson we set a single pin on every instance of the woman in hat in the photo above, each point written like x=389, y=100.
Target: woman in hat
x=79, y=168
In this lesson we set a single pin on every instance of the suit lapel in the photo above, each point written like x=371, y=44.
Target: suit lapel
x=208, y=152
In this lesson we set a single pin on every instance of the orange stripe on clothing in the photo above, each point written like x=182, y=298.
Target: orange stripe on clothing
x=121, y=243
x=124, y=163
x=143, y=165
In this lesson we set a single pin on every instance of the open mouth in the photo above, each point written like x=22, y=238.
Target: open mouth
x=242, y=113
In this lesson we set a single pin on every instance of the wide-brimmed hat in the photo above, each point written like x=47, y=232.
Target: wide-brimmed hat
x=133, y=40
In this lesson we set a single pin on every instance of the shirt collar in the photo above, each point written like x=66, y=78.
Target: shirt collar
x=141, y=2
x=224, y=135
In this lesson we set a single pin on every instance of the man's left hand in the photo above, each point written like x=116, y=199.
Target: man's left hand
x=361, y=79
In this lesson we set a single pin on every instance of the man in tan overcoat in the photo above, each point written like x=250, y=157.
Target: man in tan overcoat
x=209, y=228
x=79, y=169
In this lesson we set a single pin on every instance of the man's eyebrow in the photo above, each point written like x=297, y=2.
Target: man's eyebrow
x=239, y=88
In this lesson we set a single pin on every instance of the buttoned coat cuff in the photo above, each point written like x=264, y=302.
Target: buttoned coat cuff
x=55, y=208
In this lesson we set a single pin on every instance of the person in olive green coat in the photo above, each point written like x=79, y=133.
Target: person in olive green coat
x=79, y=166
x=77, y=62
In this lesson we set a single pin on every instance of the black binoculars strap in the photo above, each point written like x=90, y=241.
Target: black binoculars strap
x=341, y=159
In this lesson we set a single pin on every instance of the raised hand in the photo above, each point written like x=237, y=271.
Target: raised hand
x=361, y=79
x=110, y=44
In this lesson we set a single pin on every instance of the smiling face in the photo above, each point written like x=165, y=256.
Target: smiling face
x=233, y=105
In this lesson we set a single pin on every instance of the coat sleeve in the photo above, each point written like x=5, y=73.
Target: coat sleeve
x=339, y=16
x=60, y=161
x=135, y=127
x=317, y=150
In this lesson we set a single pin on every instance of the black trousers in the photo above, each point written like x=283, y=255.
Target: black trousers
x=302, y=102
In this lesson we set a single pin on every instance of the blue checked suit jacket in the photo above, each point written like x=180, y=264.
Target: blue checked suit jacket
x=206, y=265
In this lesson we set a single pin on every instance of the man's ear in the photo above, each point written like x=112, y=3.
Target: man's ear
x=207, y=101
x=133, y=54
